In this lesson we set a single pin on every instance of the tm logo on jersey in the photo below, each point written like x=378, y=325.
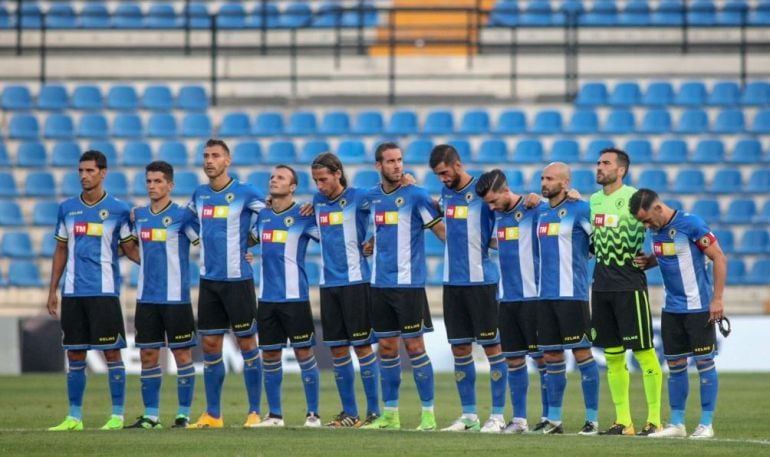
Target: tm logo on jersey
x=88, y=229
x=147, y=234
x=606, y=220
x=548, y=229
x=275, y=236
x=508, y=234
x=334, y=218
x=215, y=212
x=386, y=218
x=457, y=212
x=661, y=249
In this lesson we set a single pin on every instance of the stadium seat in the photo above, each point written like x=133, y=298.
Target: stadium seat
x=432, y=184
x=732, y=13
x=364, y=15
x=759, y=273
x=656, y=121
x=702, y=13
x=669, y=13
x=438, y=122
x=127, y=16
x=304, y=180
x=639, y=151
x=546, y=122
x=515, y=180
x=584, y=181
x=536, y=13
x=192, y=98
x=746, y=151
x=136, y=154
x=161, y=16
x=625, y=94
x=269, y=18
x=173, y=152
x=756, y=93
x=61, y=16
x=672, y=152
x=474, y=122
x=7, y=185
x=311, y=149
x=567, y=151
x=335, y=123
x=23, y=127
x=463, y=148
x=17, y=245
x=368, y=123
x=505, y=13
x=95, y=16
x=583, y=122
x=139, y=185
x=87, y=98
x=753, y=241
x=122, y=98
x=511, y=122
x=31, y=16
x=725, y=239
x=653, y=179
x=761, y=123
x=24, y=273
x=689, y=181
x=10, y=214
x=196, y=125
x=161, y=125
x=604, y=13
x=16, y=98
x=527, y=151
x=70, y=184
x=281, y=152
x=708, y=209
x=674, y=204
x=729, y=121
x=268, y=123
x=592, y=95
x=759, y=181
x=259, y=179
x=534, y=183
x=48, y=245
x=736, y=272
x=724, y=93
x=619, y=122
x=740, y=211
x=198, y=16
x=709, y=152
x=40, y=184
x=693, y=121
x=352, y=152
x=491, y=151
x=247, y=153
x=418, y=152
x=31, y=155
x=58, y=126
x=65, y=154
x=157, y=98
x=52, y=97
x=763, y=217
x=760, y=14
x=185, y=183
x=659, y=94
x=116, y=183
x=402, y=123
x=726, y=181
x=366, y=179
x=231, y=16
x=107, y=148
x=235, y=125
x=328, y=15
x=4, y=161
x=45, y=213
x=295, y=15
x=302, y=123
x=126, y=125
x=593, y=150
x=691, y=94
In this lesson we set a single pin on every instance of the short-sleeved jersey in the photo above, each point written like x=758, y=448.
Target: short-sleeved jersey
x=400, y=217
x=564, y=234
x=92, y=234
x=617, y=237
x=679, y=247
x=164, y=249
x=284, y=237
x=342, y=223
x=518, y=251
x=225, y=217
x=469, y=228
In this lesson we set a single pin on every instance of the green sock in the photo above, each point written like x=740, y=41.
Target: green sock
x=618, y=379
x=652, y=377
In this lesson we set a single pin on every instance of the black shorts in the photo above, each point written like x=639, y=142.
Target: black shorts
x=621, y=319
x=688, y=335
x=225, y=305
x=563, y=324
x=92, y=323
x=160, y=325
x=345, y=315
x=279, y=322
x=400, y=311
x=518, y=328
x=470, y=314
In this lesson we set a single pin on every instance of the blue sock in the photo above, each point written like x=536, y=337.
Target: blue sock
x=518, y=380
x=273, y=378
x=310, y=378
x=498, y=380
x=370, y=377
x=589, y=375
x=678, y=389
x=185, y=388
x=213, y=378
x=422, y=371
x=344, y=377
x=390, y=372
x=543, y=373
x=465, y=378
x=252, y=377
x=117, y=373
x=76, y=388
x=150, y=380
x=709, y=385
x=557, y=382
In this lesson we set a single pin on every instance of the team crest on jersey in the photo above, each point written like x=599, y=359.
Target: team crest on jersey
x=230, y=197
x=672, y=233
x=518, y=216
x=104, y=214
x=400, y=202
x=562, y=213
x=468, y=196
x=343, y=203
x=620, y=203
x=167, y=221
x=288, y=221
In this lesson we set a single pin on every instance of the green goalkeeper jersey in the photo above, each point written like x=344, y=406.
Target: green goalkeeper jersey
x=617, y=237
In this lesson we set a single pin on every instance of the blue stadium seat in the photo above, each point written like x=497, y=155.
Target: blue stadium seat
x=693, y=121
x=656, y=121
x=59, y=126
x=196, y=125
x=139, y=185
x=432, y=184
x=724, y=93
x=65, y=154
x=584, y=181
x=23, y=127
x=729, y=121
x=70, y=184
x=438, y=122
x=157, y=98
x=746, y=151
x=173, y=152
x=709, y=152
x=619, y=122
x=527, y=151
x=16, y=98
x=536, y=13
x=185, y=183
x=10, y=213
x=24, y=273
x=45, y=212
x=31, y=154
x=732, y=13
x=725, y=238
x=759, y=273
x=295, y=15
x=761, y=123
x=122, y=98
x=87, y=98
x=672, y=152
x=402, y=122
x=753, y=241
x=352, y=152
x=61, y=16
x=763, y=217
x=511, y=122
x=759, y=181
x=192, y=98
x=567, y=151
x=691, y=94
x=492, y=150
x=639, y=151
x=198, y=16
x=161, y=16
x=593, y=150
x=365, y=14
x=31, y=16
x=463, y=148
x=125, y=125
x=675, y=204
x=269, y=18
x=335, y=123
x=653, y=179
x=515, y=180
x=116, y=183
x=268, y=123
x=4, y=161
x=93, y=126
x=311, y=149
x=658, y=94
x=474, y=122
x=5, y=22
x=231, y=16
x=366, y=179
x=281, y=152
x=40, y=184
x=736, y=272
x=95, y=16
x=583, y=122
x=302, y=123
x=604, y=13
x=17, y=245
x=760, y=14
x=368, y=123
x=726, y=181
x=547, y=122
x=740, y=211
x=689, y=181
x=702, y=13
x=328, y=15
x=756, y=93
x=669, y=13
x=136, y=154
x=625, y=94
x=259, y=179
x=161, y=125
x=592, y=95
x=52, y=97
x=418, y=152
x=128, y=16
x=636, y=13
x=107, y=148
x=247, y=153
x=235, y=125
x=505, y=13
x=304, y=182
x=534, y=182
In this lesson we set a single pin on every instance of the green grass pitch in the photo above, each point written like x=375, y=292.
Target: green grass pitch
x=31, y=403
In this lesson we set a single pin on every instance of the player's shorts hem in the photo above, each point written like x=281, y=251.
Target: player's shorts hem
x=337, y=343
x=364, y=342
x=461, y=340
x=76, y=347
x=416, y=334
x=248, y=332
x=303, y=344
x=272, y=347
x=155, y=345
x=708, y=356
x=536, y=354
x=515, y=354
x=390, y=334
x=677, y=356
x=186, y=344
x=213, y=331
x=120, y=344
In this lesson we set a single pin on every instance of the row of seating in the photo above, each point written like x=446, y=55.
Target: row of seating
x=658, y=94
x=163, y=15
x=634, y=13
x=89, y=97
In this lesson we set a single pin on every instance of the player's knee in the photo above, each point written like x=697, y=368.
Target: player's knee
x=582, y=354
x=303, y=353
x=76, y=356
x=554, y=356
x=340, y=351
x=271, y=356
x=211, y=344
x=113, y=355
x=388, y=346
x=704, y=362
x=149, y=357
x=414, y=345
x=461, y=350
x=248, y=343
x=515, y=361
x=362, y=351
x=673, y=363
x=182, y=356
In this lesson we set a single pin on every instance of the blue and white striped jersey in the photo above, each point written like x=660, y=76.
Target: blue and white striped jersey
x=225, y=217
x=284, y=237
x=469, y=228
x=400, y=217
x=564, y=233
x=518, y=252
x=342, y=224
x=679, y=248
x=92, y=234
x=164, y=249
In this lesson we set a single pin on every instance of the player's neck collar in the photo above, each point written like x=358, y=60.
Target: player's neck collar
x=515, y=205
x=91, y=205
x=673, y=216
x=229, y=183
x=293, y=203
x=558, y=204
x=462, y=188
x=337, y=197
x=395, y=189
x=168, y=205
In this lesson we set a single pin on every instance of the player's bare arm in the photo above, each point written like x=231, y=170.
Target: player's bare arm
x=716, y=308
x=58, y=263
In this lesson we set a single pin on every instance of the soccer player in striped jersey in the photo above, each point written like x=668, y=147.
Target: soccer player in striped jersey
x=681, y=242
x=342, y=215
x=563, y=319
x=519, y=264
x=470, y=289
x=89, y=229
x=399, y=303
x=164, y=315
x=284, y=305
x=226, y=209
